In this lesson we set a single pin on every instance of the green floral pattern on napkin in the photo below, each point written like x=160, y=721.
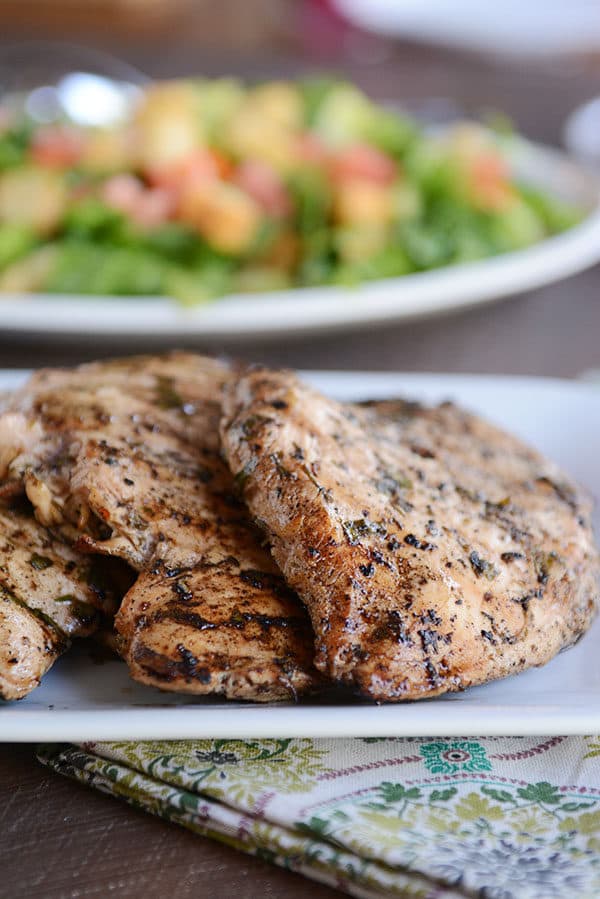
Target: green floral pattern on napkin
x=500, y=818
x=457, y=755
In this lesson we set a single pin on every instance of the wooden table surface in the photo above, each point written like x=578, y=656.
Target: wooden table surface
x=62, y=840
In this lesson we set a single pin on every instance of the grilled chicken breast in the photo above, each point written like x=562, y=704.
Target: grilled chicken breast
x=48, y=594
x=123, y=458
x=227, y=625
x=433, y=550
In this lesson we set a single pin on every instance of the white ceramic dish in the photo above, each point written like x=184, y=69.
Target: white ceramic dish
x=512, y=28
x=330, y=308
x=581, y=132
x=81, y=700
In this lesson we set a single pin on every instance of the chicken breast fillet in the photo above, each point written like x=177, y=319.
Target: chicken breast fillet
x=123, y=458
x=48, y=594
x=433, y=550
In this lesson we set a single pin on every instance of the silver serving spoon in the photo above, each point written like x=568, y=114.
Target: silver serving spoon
x=52, y=81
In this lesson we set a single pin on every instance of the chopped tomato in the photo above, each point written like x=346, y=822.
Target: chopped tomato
x=122, y=192
x=203, y=165
x=364, y=162
x=227, y=217
x=361, y=201
x=147, y=207
x=155, y=206
x=224, y=165
x=264, y=185
x=310, y=149
x=489, y=182
x=56, y=147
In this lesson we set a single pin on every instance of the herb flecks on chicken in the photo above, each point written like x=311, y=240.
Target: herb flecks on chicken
x=432, y=550
x=123, y=458
x=49, y=593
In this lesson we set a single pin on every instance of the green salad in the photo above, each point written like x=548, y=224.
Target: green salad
x=213, y=187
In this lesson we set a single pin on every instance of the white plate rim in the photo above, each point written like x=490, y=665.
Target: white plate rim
x=306, y=310
x=435, y=717
x=316, y=723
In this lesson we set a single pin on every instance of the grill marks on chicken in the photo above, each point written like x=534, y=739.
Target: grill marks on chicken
x=123, y=458
x=432, y=550
x=219, y=626
x=48, y=594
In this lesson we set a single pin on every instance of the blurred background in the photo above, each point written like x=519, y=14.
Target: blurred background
x=466, y=52
x=534, y=62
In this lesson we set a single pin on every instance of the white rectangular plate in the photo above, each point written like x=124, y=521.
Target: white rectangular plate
x=83, y=700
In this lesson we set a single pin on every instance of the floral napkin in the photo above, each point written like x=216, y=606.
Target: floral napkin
x=494, y=819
